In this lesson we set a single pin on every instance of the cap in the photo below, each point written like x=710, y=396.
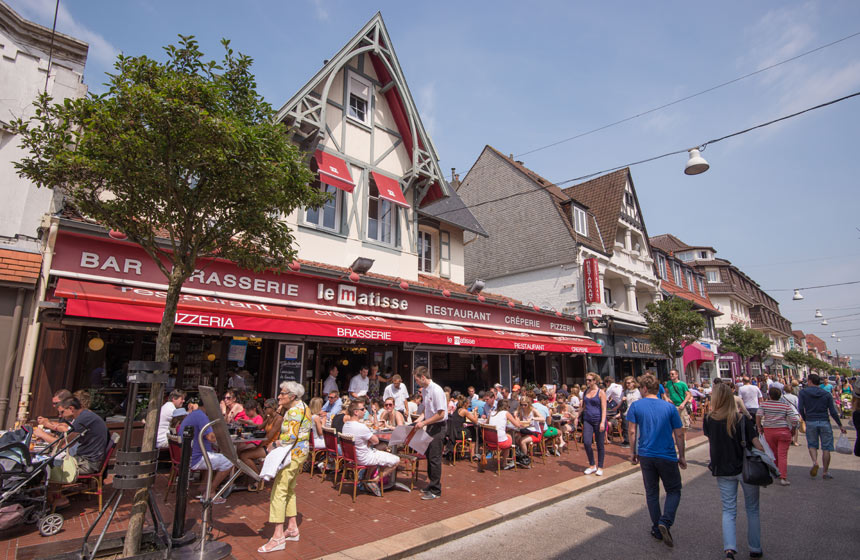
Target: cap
x=516, y=388
x=179, y=412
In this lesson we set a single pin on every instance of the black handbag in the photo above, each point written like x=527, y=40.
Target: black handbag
x=754, y=471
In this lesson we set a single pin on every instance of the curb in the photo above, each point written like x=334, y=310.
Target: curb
x=424, y=538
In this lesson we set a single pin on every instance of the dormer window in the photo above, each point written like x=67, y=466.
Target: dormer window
x=628, y=199
x=580, y=221
x=358, y=97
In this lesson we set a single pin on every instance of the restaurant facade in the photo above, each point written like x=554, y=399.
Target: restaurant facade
x=107, y=299
x=378, y=278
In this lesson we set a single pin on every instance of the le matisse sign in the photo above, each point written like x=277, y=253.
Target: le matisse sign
x=105, y=260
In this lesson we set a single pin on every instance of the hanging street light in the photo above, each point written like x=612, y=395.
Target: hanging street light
x=818, y=314
x=696, y=164
x=797, y=295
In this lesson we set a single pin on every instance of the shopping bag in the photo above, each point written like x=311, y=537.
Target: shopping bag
x=843, y=445
x=766, y=448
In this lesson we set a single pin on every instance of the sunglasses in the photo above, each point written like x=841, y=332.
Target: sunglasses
x=389, y=405
x=360, y=409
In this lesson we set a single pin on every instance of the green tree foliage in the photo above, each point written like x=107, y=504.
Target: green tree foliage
x=744, y=341
x=185, y=158
x=672, y=324
x=796, y=357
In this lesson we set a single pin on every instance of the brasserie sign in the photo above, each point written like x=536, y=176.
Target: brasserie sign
x=99, y=259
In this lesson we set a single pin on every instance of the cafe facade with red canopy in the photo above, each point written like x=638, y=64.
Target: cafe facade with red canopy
x=378, y=279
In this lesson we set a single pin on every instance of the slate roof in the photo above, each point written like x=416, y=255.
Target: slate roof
x=453, y=210
x=562, y=201
x=20, y=267
x=670, y=243
x=604, y=196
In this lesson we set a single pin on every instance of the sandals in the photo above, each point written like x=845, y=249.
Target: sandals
x=280, y=544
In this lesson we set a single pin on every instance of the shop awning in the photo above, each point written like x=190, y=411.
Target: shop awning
x=334, y=171
x=126, y=303
x=695, y=352
x=389, y=189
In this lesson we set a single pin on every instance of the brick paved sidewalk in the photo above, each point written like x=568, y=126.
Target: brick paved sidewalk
x=329, y=523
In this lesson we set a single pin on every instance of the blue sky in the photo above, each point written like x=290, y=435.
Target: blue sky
x=781, y=203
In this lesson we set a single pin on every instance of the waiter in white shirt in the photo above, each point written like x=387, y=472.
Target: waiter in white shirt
x=330, y=384
x=433, y=420
x=397, y=391
x=359, y=384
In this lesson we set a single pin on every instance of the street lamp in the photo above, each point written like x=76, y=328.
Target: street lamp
x=818, y=314
x=696, y=164
x=797, y=296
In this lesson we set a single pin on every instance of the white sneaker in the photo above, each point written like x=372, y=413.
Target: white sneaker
x=590, y=470
x=599, y=472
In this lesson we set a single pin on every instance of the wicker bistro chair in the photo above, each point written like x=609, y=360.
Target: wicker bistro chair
x=462, y=444
x=332, y=455
x=95, y=481
x=490, y=442
x=350, y=465
x=537, y=449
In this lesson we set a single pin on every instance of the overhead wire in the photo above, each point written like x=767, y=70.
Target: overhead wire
x=688, y=97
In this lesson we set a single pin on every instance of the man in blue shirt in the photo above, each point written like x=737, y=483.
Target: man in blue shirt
x=658, y=424
x=332, y=405
x=197, y=420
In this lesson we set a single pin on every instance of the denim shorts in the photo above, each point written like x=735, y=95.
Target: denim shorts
x=816, y=429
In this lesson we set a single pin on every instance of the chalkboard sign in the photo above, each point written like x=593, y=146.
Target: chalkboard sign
x=289, y=365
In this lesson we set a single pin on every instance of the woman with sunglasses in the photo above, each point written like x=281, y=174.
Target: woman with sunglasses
x=389, y=417
x=230, y=406
x=272, y=420
x=594, y=422
x=295, y=434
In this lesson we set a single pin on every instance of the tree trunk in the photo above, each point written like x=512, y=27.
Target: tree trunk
x=131, y=546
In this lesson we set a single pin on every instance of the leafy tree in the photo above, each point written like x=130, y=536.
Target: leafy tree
x=744, y=341
x=818, y=364
x=796, y=358
x=185, y=158
x=672, y=324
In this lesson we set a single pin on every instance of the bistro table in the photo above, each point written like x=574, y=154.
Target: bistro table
x=384, y=436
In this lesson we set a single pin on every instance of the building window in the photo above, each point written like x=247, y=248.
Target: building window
x=381, y=217
x=689, y=278
x=676, y=272
x=628, y=199
x=684, y=256
x=725, y=369
x=425, y=252
x=359, y=99
x=755, y=368
x=327, y=217
x=607, y=296
x=580, y=221
x=703, y=255
x=713, y=276
x=701, y=283
x=661, y=266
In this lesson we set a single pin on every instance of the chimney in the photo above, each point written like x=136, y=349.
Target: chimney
x=455, y=178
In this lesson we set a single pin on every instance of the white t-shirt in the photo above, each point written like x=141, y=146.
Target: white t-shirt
x=500, y=421
x=362, y=435
x=359, y=385
x=399, y=395
x=613, y=392
x=329, y=385
x=164, y=424
x=574, y=402
x=413, y=407
x=632, y=397
x=434, y=401
x=750, y=394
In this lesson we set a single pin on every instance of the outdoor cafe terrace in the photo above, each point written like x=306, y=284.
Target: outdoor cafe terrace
x=329, y=523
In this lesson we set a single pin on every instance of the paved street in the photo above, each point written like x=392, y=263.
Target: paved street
x=612, y=522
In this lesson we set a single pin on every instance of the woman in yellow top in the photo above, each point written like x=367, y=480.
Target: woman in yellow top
x=295, y=433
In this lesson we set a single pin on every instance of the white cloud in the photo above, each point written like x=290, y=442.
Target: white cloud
x=427, y=106
x=42, y=12
x=320, y=10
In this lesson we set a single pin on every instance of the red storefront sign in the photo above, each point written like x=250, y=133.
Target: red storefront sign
x=104, y=260
x=591, y=274
x=127, y=303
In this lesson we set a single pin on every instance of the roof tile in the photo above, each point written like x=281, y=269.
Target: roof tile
x=19, y=266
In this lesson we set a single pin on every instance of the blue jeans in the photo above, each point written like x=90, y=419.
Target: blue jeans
x=729, y=497
x=589, y=430
x=653, y=471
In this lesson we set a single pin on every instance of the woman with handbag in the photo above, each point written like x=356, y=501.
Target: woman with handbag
x=295, y=433
x=730, y=434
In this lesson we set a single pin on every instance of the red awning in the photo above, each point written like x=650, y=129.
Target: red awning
x=695, y=352
x=334, y=171
x=389, y=189
x=126, y=303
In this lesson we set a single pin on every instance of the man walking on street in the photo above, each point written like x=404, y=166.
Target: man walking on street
x=815, y=403
x=434, y=418
x=658, y=423
x=679, y=395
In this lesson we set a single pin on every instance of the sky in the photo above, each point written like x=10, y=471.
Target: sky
x=777, y=202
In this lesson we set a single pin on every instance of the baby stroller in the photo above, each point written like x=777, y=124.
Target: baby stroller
x=24, y=483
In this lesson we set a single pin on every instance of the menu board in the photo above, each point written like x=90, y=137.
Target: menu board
x=288, y=366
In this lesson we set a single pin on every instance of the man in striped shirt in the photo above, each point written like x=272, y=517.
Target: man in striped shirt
x=777, y=420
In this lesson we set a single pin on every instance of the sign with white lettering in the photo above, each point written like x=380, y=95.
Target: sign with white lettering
x=288, y=366
x=591, y=275
x=98, y=259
